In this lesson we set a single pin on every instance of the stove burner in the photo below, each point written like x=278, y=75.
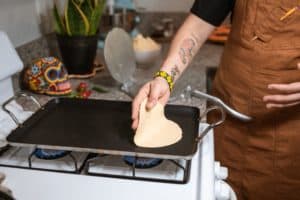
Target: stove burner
x=48, y=154
x=142, y=163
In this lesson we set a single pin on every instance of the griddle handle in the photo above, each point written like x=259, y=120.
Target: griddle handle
x=212, y=125
x=189, y=92
x=15, y=97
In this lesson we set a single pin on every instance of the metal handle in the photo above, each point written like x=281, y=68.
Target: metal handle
x=212, y=125
x=18, y=95
x=218, y=102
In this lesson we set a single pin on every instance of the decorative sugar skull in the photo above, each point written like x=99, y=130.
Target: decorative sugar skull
x=47, y=76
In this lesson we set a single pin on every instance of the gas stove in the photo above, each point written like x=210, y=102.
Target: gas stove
x=78, y=175
x=104, y=165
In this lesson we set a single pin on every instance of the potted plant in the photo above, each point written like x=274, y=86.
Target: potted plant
x=77, y=33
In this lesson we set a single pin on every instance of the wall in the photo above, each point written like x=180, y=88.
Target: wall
x=165, y=5
x=22, y=19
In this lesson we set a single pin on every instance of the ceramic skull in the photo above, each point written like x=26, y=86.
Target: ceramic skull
x=47, y=76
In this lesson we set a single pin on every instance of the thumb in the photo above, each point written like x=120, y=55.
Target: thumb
x=153, y=97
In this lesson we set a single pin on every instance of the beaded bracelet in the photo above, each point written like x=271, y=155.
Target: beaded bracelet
x=167, y=77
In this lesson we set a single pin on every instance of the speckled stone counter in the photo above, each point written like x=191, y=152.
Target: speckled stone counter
x=194, y=76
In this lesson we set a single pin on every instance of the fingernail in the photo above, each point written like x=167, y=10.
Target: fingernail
x=298, y=65
x=268, y=106
x=149, y=106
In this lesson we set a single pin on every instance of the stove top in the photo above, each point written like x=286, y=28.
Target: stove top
x=83, y=185
x=25, y=157
x=170, y=171
x=125, y=167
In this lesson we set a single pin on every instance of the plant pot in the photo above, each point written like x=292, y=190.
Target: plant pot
x=78, y=52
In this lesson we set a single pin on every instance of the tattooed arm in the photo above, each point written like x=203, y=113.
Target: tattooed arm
x=189, y=38
x=185, y=45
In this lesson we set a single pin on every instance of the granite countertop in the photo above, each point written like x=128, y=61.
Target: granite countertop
x=195, y=76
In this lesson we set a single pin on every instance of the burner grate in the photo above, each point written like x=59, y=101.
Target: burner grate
x=68, y=154
x=168, y=171
x=26, y=158
x=112, y=166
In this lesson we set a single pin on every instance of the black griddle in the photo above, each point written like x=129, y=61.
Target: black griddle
x=101, y=126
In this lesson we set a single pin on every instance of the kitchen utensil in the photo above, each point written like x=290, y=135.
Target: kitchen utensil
x=147, y=56
x=18, y=95
x=188, y=93
x=7, y=124
x=146, y=49
x=100, y=126
x=220, y=34
x=119, y=57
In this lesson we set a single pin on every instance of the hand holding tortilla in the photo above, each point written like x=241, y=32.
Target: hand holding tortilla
x=154, y=129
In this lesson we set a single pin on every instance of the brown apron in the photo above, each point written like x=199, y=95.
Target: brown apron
x=263, y=156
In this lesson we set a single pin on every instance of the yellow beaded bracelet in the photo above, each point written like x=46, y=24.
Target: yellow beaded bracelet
x=167, y=77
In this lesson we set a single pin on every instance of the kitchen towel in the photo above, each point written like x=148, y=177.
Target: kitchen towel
x=6, y=122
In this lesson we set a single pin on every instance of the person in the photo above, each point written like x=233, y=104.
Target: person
x=259, y=75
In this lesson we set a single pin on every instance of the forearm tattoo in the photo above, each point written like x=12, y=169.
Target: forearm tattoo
x=183, y=56
x=175, y=72
x=187, y=49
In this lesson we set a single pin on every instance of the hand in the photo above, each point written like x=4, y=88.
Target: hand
x=288, y=95
x=156, y=90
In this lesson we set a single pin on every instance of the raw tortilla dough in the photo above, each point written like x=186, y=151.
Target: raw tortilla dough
x=154, y=129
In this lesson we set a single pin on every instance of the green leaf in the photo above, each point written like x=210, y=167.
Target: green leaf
x=87, y=9
x=79, y=2
x=100, y=89
x=76, y=21
x=95, y=3
x=96, y=16
x=67, y=13
x=58, y=23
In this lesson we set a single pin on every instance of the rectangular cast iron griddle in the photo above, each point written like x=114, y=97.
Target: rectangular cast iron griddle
x=100, y=126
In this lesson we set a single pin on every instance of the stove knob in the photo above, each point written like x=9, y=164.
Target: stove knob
x=221, y=173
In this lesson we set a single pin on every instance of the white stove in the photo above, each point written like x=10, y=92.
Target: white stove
x=204, y=183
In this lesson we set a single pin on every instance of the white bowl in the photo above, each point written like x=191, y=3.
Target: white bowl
x=147, y=56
